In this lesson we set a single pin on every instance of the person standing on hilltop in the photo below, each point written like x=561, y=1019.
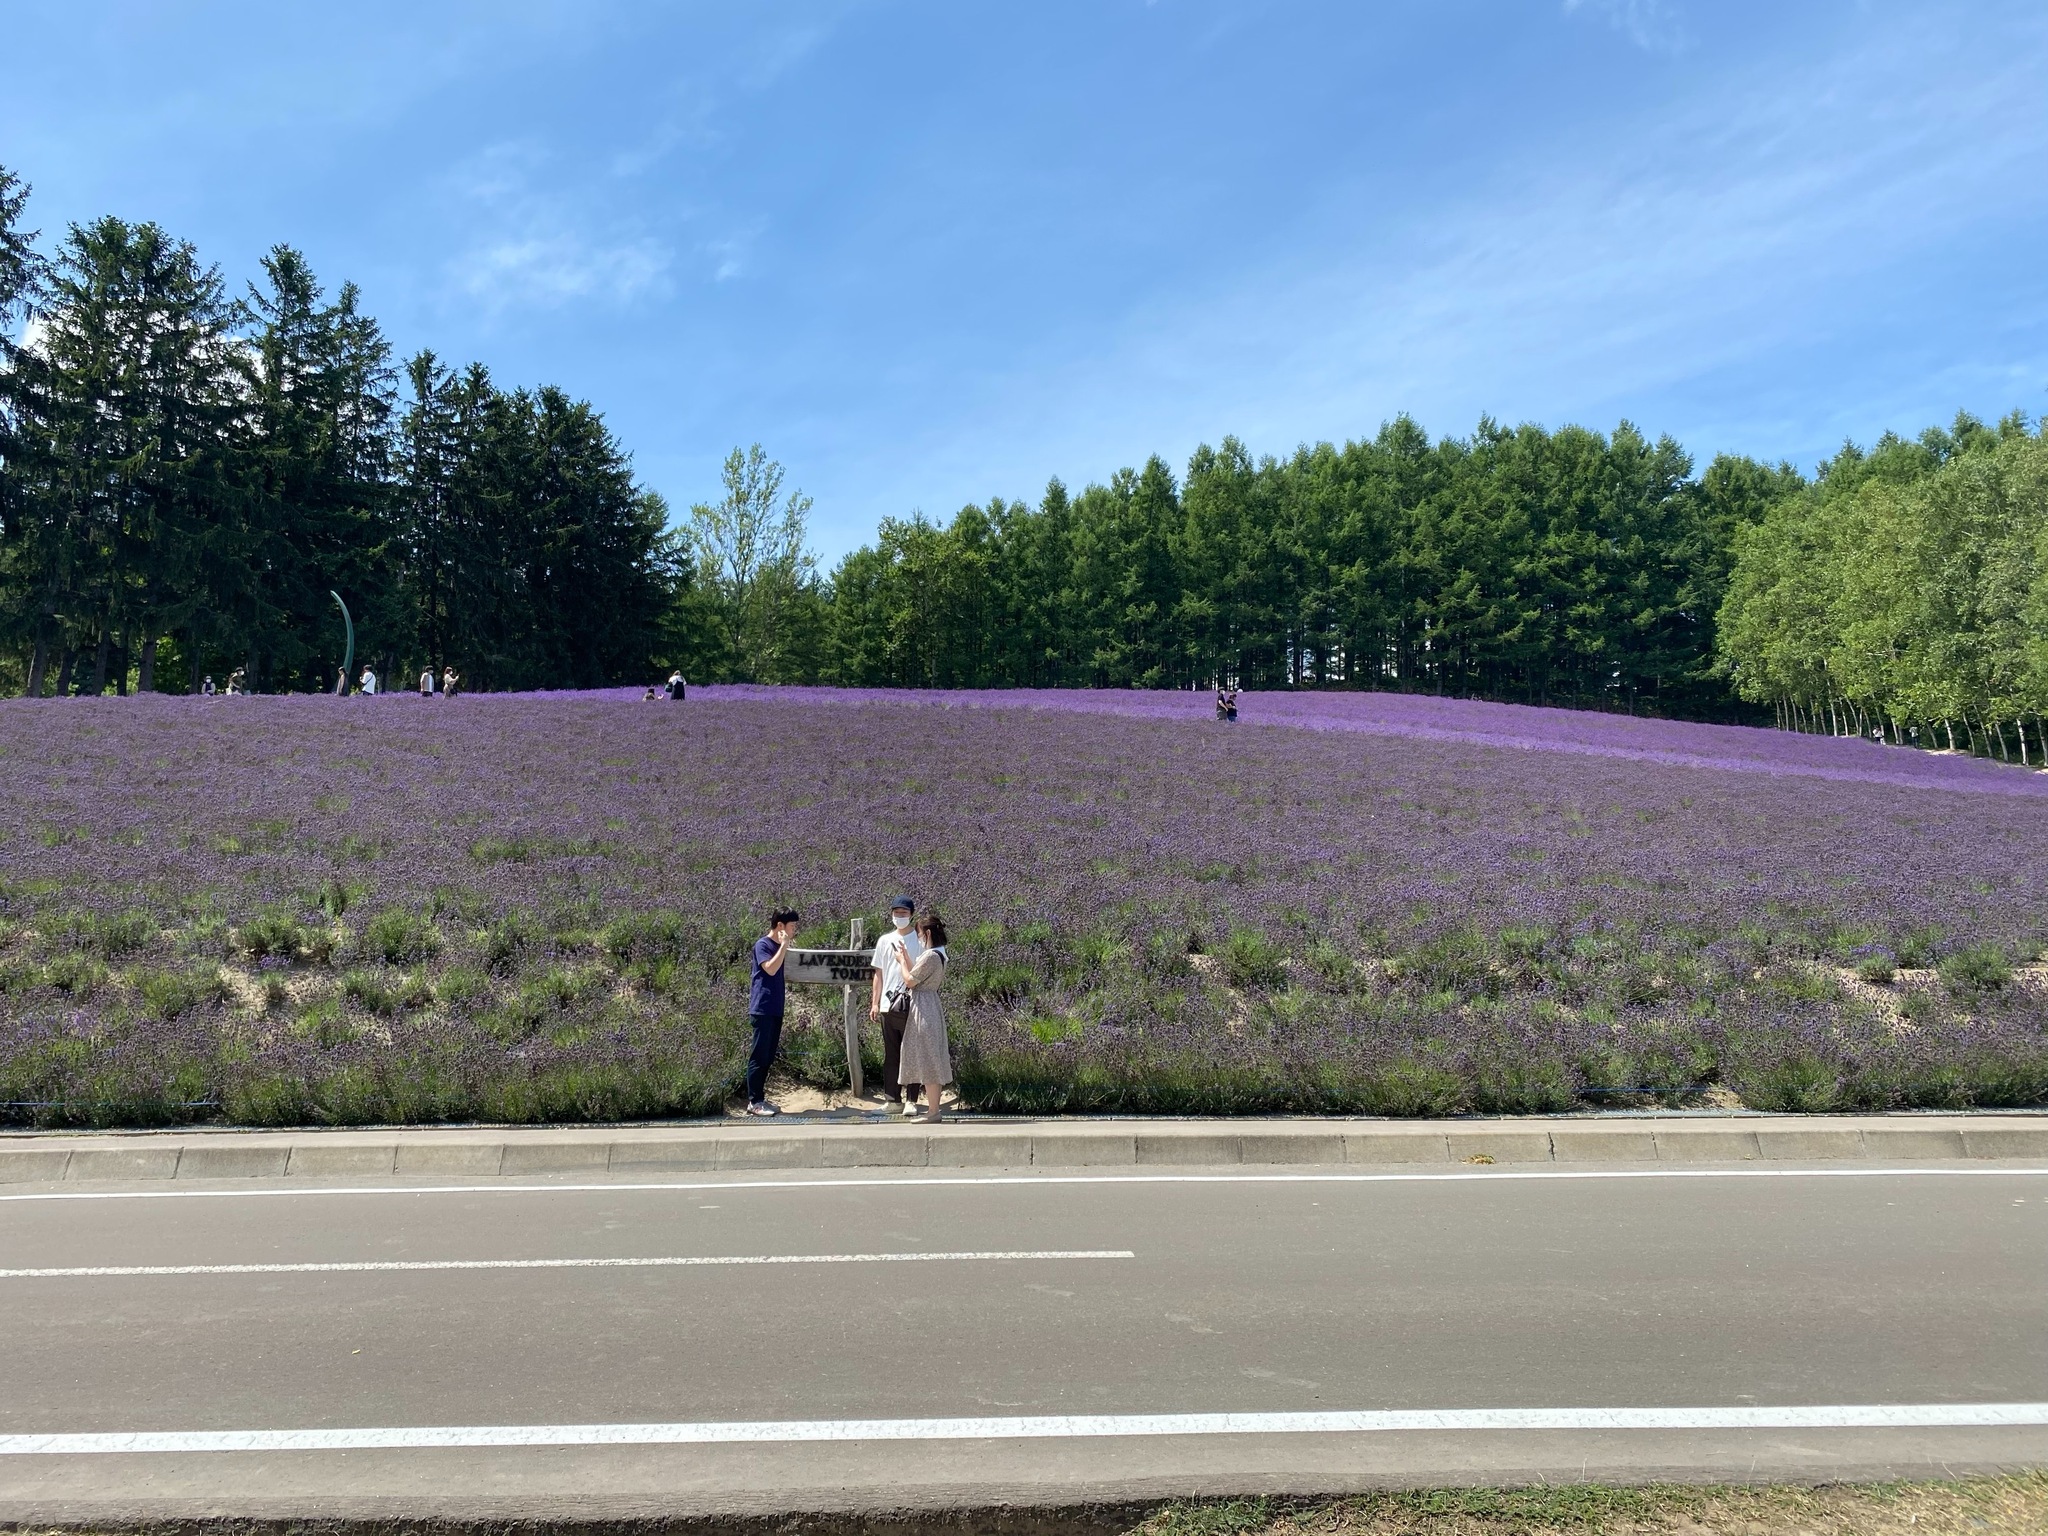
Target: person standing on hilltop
x=450, y=678
x=676, y=685
x=427, y=683
x=368, y=681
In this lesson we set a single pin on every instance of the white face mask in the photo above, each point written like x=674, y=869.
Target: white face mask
x=900, y=919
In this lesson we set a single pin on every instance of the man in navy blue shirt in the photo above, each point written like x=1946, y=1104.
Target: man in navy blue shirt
x=764, y=1005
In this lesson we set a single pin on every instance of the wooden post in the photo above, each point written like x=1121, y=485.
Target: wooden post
x=855, y=939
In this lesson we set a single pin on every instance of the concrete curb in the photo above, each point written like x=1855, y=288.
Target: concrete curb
x=517, y=1151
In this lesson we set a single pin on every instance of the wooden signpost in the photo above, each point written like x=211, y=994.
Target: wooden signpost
x=846, y=969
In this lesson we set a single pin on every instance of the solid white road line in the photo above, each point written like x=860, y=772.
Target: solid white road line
x=716, y=1260
x=1459, y=1420
x=629, y=1186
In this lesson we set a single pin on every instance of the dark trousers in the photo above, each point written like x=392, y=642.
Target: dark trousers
x=767, y=1041
x=892, y=1059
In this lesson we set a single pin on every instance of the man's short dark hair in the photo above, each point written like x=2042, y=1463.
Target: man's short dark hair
x=784, y=915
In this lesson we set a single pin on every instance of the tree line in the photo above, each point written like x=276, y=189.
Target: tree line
x=1554, y=567
x=189, y=478
x=1904, y=593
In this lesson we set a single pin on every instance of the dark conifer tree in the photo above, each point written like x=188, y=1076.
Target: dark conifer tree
x=316, y=475
x=130, y=412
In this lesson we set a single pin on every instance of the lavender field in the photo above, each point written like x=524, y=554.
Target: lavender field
x=295, y=909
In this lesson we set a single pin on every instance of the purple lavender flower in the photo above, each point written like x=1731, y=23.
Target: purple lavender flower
x=532, y=907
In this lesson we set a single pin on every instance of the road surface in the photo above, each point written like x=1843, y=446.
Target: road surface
x=765, y=1342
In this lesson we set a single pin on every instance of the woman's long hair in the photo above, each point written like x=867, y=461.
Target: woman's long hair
x=931, y=930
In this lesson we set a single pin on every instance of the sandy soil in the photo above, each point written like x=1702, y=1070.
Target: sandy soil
x=801, y=1099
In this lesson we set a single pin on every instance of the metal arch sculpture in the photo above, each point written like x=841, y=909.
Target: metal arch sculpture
x=348, y=659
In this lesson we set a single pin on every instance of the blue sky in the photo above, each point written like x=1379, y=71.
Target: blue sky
x=928, y=253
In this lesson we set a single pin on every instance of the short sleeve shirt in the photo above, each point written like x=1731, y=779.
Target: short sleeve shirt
x=767, y=996
x=891, y=955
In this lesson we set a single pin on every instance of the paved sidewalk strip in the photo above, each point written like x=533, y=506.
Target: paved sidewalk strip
x=512, y=1152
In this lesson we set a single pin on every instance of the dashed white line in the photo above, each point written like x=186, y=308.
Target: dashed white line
x=379, y=1266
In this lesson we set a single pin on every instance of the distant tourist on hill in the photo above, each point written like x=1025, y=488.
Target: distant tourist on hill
x=449, y=679
x=650, y=696
x=765, y=1004
x=925, y=1059
x=889, y=999
x=206, y=689
x=1230, y=707
x=1222, y=703
x=238, y=683
x=674, y=690
x=427, y=683
x=367, y=682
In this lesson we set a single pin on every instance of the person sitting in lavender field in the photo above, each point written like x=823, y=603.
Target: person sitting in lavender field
x=206, y=689
x=926, y=1060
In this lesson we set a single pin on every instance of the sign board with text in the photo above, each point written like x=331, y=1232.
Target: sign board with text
x=828, y=967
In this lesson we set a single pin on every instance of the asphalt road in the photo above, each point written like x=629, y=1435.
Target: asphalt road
x=524, y=1323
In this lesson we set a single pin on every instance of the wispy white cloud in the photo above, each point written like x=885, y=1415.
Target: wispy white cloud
x=545, y=248
x=555, y=268
x=1654, y=25
x=700, y=99
x=727, y=255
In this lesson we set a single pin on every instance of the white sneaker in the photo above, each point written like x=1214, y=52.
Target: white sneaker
x=909, y=1109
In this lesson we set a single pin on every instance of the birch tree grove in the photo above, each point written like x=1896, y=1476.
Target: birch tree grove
x=1904, y=595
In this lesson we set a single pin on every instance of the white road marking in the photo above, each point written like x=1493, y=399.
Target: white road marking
x=380, y=1265
x=1458, y=1420
x=1495, y=1175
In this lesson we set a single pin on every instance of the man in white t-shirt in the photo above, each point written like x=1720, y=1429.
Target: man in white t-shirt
x=893, y=958
x=368, y=681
